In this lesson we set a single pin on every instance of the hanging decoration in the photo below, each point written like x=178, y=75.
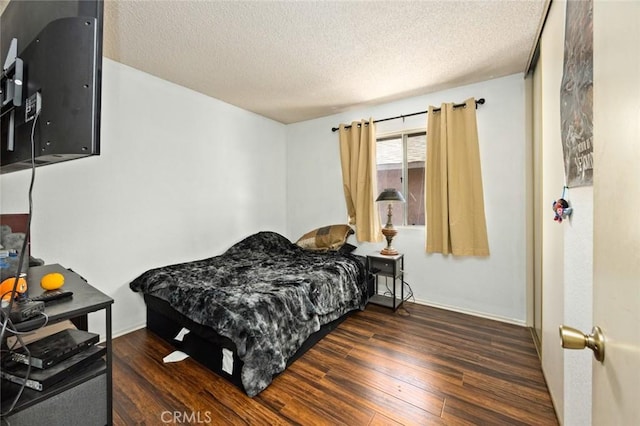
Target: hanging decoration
x=561, y=208
x=576, y=94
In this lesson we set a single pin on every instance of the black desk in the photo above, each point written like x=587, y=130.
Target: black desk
x=85, y=299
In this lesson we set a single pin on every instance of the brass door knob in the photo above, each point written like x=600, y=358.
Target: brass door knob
x=572, y=338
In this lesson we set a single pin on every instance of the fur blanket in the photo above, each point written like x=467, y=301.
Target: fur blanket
x=266, y=294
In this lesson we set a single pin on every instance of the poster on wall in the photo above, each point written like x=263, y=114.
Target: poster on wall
x=576, y=94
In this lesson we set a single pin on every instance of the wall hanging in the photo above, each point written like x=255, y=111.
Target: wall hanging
x=576, y=95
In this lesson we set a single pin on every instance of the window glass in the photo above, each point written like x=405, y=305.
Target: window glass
x=400, y=165
x=390, y=163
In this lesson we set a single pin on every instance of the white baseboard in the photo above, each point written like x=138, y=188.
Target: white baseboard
x=470, y=312
x=129, y=330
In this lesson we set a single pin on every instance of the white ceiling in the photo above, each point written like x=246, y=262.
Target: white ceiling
x=297, y=60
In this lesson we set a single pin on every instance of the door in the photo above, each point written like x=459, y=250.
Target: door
x=616, y=259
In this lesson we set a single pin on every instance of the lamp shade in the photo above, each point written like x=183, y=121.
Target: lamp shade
x=390, y=194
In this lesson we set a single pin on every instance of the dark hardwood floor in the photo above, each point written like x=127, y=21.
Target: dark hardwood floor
x=418, y=366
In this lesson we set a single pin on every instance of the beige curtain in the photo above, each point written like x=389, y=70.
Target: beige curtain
x=454, y=197
x=358, y=158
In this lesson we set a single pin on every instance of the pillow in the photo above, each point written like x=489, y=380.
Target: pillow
x=347, y=248
x=331, y=237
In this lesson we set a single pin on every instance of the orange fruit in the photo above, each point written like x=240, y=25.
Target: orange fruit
x=52, y=281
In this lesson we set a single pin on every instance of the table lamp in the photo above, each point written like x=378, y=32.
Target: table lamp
x=390, y=195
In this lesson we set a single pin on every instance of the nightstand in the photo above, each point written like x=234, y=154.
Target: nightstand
x=389, y=269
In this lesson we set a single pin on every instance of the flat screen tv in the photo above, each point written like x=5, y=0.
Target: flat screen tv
x=51, y=58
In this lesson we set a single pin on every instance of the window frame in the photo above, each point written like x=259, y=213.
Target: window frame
x=404, y=135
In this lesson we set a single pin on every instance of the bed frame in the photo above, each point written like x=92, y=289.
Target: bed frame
x=205, y=345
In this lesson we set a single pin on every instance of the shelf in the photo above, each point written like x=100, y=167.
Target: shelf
x=93, y=384
x=387, y=301
x=31, y=397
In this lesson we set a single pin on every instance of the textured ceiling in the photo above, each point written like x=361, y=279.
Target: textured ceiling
x=297, y=60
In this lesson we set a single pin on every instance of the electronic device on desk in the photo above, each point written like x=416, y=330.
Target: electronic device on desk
x=41, y=379
x=52, y=295
x=55, y=348
x=22, y=310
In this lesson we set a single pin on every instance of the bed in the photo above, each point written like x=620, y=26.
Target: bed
x=253, y=310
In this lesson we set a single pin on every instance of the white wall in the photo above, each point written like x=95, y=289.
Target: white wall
x=181, y=176
x=567, y=248
x=494, y=286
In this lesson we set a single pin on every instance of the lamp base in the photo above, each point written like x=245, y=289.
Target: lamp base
x=389, y=251
x=389, y=232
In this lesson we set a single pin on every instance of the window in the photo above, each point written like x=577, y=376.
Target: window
x=400, y=164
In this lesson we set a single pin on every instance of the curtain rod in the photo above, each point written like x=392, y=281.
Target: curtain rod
x=478, y=102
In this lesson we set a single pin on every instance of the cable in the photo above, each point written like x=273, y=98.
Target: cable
x=409, y=293
x=5, y=293
x=6, y=112
x=7, y=321
x=389, y=291
x=26, y=377
x=28, y=230
x=41, y=326
x=14, y=345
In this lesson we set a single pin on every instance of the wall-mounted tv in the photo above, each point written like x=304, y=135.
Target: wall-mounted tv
x=51, y=58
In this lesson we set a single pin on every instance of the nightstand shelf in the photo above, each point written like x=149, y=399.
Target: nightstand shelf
x=389, y=268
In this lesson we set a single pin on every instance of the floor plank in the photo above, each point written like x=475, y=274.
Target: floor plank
x=419, y=365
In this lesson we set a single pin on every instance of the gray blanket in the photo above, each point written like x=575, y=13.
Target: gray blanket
x=266, y=294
